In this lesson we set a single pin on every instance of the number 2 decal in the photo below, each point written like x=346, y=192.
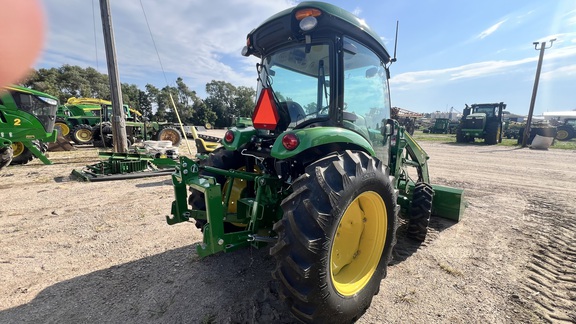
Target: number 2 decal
x=17, y=121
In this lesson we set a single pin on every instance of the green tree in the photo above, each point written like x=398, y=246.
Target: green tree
x=228, y=102
x=130, y=95
x=244, y=101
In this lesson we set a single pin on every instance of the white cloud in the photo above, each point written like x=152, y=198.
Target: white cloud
x=562, y=72
x=555, y=57
x=491, y=29
x=198, y=40
x=570, y=17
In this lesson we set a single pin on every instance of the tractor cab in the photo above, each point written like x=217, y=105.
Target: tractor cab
x=39, y=107
x=317, y=69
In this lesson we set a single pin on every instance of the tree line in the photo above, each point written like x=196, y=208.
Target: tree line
x=224, y=101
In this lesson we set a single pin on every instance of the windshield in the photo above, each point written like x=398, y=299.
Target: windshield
x=488, y=110
x=43, y=108
x=300, y=79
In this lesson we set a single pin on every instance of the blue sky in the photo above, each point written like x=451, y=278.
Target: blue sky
x=449, y=52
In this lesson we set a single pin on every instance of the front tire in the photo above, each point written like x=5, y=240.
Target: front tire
x=62, y=126
x=460, y=137
x=82, y=134
x=336, y=238
x=420, y=212
x=493, y=134
x=23, y=155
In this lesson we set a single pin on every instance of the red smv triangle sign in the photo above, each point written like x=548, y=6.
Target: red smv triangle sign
x=265, y=115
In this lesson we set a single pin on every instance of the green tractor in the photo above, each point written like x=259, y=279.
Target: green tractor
x=566, y=129
x=75, y=119
x=442, y=126
x=481, y=121
x=26, y=124
x=322, y=174
x=78, y=118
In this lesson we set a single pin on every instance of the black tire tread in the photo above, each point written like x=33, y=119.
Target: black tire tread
x=27, y=155
x=302, y=251
x=492, y=131
x=420, y=211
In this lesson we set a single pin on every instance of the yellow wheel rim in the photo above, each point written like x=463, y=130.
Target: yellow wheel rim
x=84, y=135
x=17, y=148
x=562, y=134
x=64, y=129
x=170, y=135
x=358, y=243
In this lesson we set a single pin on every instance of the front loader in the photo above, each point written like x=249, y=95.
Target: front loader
x=322, y=174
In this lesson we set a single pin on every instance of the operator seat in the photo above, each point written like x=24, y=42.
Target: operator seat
x=290, y=112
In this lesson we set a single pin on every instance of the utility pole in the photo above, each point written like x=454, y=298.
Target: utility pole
x=118, y=117
x=535, y=90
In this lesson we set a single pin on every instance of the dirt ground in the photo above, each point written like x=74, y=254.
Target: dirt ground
x=101, y=252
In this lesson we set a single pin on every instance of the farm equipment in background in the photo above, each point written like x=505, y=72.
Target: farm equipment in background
x=77, y=112
x=405, y=118
x=324, y=184
x=566, y=130
x=512, y=129
x=27, y=120
x=483, y=121
x=78, y=117
x=442, y=126
x=136, y=164
x=87, y=120
x=137, y=129
x=204, y=143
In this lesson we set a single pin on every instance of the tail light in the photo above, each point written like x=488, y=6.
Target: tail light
x=290, y=141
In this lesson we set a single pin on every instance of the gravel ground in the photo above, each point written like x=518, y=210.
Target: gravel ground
x=101, y=252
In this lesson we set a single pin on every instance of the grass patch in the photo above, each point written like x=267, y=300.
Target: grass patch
x=449, y=270
x=567, y=145
x=419, y=136
x=451, y=138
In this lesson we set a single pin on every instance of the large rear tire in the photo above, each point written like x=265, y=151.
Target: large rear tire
x=335, y=238
x=420, y=212
x=170, y=134
x=100, y=134
x=493, y=133
x=564, y=133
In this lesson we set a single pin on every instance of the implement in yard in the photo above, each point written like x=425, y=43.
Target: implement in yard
x=120, y=166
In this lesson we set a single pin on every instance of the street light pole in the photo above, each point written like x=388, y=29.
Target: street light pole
x=534, y=90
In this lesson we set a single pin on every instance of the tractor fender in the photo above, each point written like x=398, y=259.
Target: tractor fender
x=314, y=137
